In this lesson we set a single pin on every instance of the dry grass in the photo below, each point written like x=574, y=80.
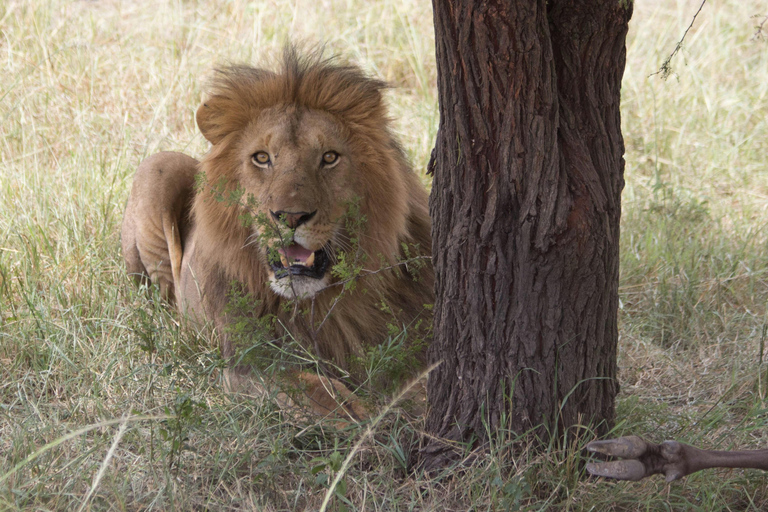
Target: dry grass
x=91, y=87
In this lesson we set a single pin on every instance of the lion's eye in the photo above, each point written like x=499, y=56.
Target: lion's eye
x=260, y=158
x=330, y=157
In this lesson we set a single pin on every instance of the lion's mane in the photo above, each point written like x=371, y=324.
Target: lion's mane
x=392, y=199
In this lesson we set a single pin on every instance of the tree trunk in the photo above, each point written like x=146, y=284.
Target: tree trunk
x=528, y=172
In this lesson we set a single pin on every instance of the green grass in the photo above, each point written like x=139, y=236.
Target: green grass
x=90, y=88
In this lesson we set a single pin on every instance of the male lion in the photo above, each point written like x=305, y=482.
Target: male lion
x=303, y=178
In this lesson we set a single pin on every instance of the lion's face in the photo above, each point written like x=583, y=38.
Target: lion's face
x=297, y=166
x=303, y=145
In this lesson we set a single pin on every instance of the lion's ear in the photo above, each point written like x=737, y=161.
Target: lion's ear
x=234, y=94
x=208, y=122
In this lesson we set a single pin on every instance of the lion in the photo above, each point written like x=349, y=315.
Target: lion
x=303, y=176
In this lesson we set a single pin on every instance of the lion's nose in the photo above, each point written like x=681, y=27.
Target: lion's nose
x=292, y=219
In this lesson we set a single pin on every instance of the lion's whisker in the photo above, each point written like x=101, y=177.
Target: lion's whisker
x=331, y=253
x=253, y=239
x=344, y=246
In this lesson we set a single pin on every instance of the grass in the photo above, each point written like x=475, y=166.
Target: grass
x=90, y=88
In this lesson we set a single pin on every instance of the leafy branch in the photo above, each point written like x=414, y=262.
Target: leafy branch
x=348, y=265
x=365, y=273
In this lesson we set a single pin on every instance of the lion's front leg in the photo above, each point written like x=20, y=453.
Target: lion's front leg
x=329, y=397
x=301, y=394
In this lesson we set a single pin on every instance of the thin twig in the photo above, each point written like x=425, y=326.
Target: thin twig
x=665, y=70
x=759, y=35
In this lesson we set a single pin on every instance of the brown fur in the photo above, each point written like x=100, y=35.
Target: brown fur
x=155, y=220
x=310, y=107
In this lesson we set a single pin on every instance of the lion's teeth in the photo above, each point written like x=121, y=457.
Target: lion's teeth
x=291, y=260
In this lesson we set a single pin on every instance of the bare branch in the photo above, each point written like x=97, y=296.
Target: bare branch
x=666, y=68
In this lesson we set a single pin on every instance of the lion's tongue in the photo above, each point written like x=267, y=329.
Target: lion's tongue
x=295, y=254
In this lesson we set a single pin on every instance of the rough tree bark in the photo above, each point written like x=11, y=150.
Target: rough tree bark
x=528, y=172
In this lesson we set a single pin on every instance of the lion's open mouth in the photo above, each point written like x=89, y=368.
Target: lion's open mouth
x=299, y=261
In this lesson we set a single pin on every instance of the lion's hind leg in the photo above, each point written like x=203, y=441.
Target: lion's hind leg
x=156, y=220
